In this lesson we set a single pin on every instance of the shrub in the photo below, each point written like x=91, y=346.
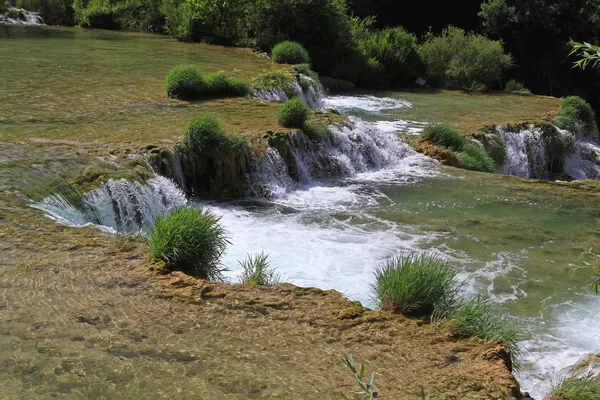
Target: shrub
x=221, y=85
x=190, y=239
x=184, y=82
x=278, y=79
x=316, y=130
x=574, y=388
x=258, y=271
x=474, y=318
x=290, y=53
x=412, y=284
x=514, y=86
x=445, y=135
x=577, y=116
x=392, y=54
x=98, y=13
x=292, y=113
x=206, y=136
x=473, y=157
x=460, y=60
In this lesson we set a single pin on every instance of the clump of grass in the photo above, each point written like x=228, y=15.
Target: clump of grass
x=515, y=86
x=413, y=283
x=474, y=318
x=190, y=239
x=206, y=136
x=575, y=388
x=315, y=130
x=290, y=53
x=185, y=82
x=577, y=116
x=445, y=135
x=475, y=158
x=279, y=79
x=292, y=113
x=258, y=271
x=221, y=85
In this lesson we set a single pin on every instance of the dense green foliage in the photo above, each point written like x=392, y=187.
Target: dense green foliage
x=413, y=284
x=460, y=60
x=290, y=53
x=474, y=158
x=206, y=136
x=221, y=85
x=54, y=12
x=577, y=116
x=445, y=135
x=184, y=82
x=292, y=113
x=258, y=271
x=189, y=239
x=574, y=388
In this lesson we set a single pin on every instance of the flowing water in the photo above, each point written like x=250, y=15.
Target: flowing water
x=510, y=239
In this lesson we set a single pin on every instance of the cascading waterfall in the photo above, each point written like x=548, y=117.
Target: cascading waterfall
x=526, y=155
x=18, y=16
x=118, y=205
x=302, y=86
x=585, y=161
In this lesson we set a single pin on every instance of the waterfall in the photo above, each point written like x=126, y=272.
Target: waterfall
x=353, y=147
x=117, y=205
x=585, y=161
x=525, y=154
x=19, y=16
x=302, y=86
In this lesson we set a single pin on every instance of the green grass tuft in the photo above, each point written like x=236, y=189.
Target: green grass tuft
x=316, y=130
x=293, y=113
x=184, y=82
x=474, y=158
x=493, y=145
x=413, y=283
x=290, y=53
x=515, y=86
x=258, y=271
x=445, y=135
x=278, y=79
x=191, y=240
x=574, y=388
x=206, y=136
x=577, y=116
x=221, y=85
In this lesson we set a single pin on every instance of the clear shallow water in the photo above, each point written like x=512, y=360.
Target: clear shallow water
x=510, y=239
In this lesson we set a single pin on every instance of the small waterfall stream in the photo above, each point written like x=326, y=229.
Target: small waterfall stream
x=303, y=86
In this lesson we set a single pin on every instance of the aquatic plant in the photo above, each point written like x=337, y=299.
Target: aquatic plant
x=577, y=116
x=258, y=271
x=590, y=260
x=367, y=390
x=190, y=239
x=474, y=318
x=205, y=135
x=577, y=388
x=445, y=135
x=515, y=86
x=290, y=53
x=558, y=145
x=221, y=85
x=315, y=130
x=413, y=283
x=292, y=113
x=474, y=158
x=185, y=82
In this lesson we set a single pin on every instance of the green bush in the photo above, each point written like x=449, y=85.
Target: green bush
x=206, y=136
x=292, y=113
x=392, y=55
x=460, y=60
x=413, y=284
x=316, y=130
x=445, y=135
x=574, y=388
x=474, y=318
x=190, y=239
x=493, y=145
x=101, y=14
x=53, y=12
x=577, y=116
x=221, y=85
x=185, y=82
x=473, y=157
x=514, y=86
x=258, y=271
x=290, y=53
x=278, y=79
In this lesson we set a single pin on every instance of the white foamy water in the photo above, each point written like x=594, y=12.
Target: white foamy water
x=585, y=161
x=402, y=127
x=364, y=103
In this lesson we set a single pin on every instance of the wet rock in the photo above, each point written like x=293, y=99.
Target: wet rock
x=430, y=149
